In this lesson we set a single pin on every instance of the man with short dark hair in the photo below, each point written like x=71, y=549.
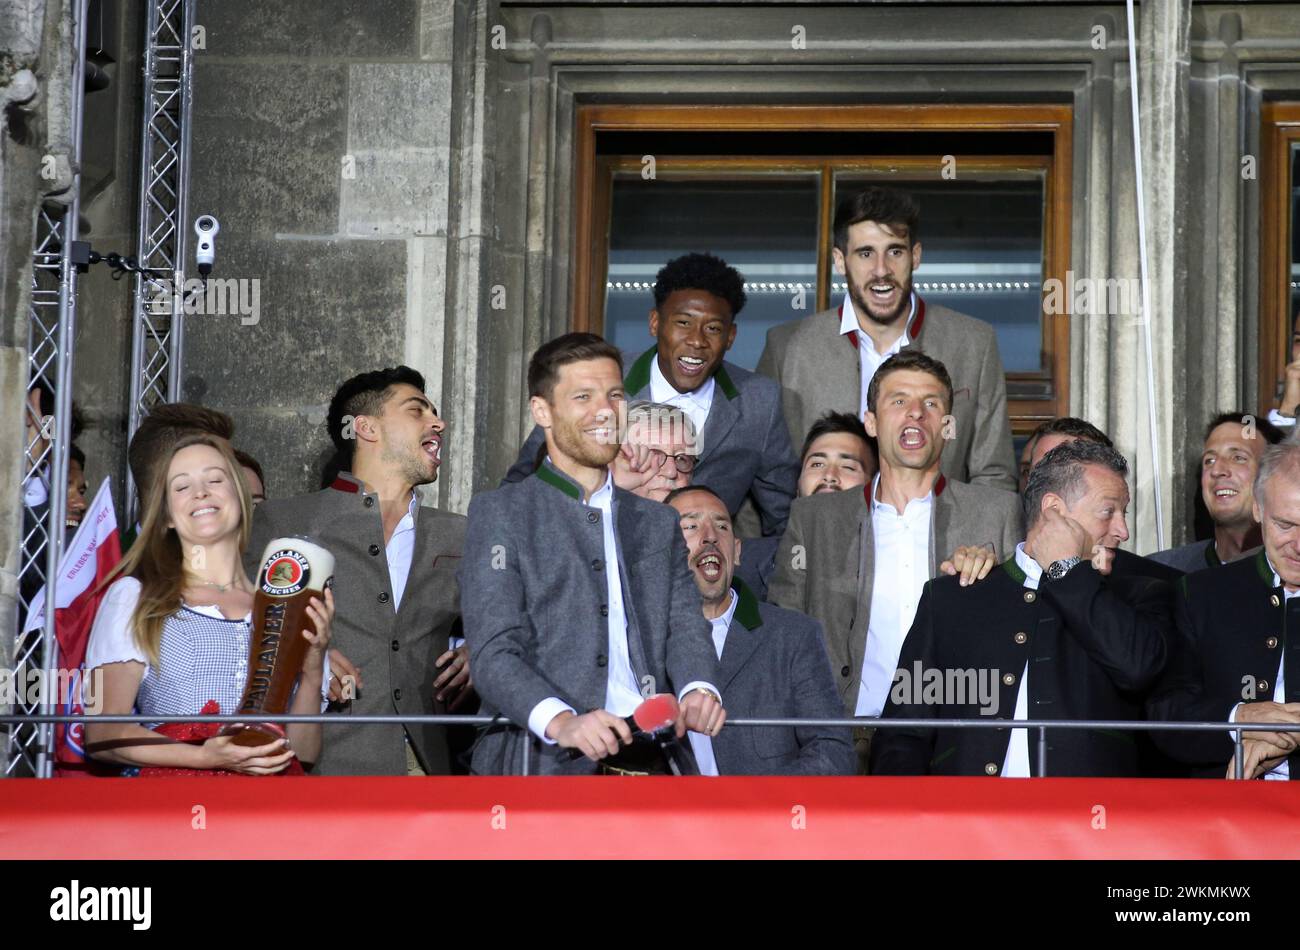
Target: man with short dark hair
x=773, y=664
x=1052, y=637
x=857, y=560
x=1231, y=643
x=1108, y=560
x=837, y=455
x=578, y=599
x=253, y=476
x=826, y=361
x=394, y=578
x=743, y=447
x=1234, y=444
x=1058, y=431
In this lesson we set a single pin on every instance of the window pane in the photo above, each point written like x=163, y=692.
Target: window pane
x=982, y=254
x=765, y=227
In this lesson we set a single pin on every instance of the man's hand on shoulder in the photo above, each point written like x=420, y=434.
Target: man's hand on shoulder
x=971, y=562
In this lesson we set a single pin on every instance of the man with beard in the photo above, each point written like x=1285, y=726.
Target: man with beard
x=579, y=602
x=857, y=560
x=773, y=663
x=1234, y=444
x=1228, y=657
x=837, y=455
x=826, y=361
x=743, y=447
x=394, y=576
x=1049, y=636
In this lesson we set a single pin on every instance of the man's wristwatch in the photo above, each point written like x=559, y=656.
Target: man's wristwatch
x=1058, y=569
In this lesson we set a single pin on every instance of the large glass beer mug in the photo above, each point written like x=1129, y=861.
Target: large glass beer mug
x=293, y=571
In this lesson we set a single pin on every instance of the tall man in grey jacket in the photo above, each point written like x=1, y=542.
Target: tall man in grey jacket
x=857, y=560
x=825, y=362
x=394, y=574
x=578, y=602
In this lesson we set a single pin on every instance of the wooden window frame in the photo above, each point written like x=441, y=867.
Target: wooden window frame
x=1281, y=130
x=594, y=175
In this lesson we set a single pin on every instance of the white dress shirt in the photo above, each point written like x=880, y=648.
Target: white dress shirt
x=399, y=550
x=868, y=359
x=1278, y=419
x=1282, y=771
x=702, y=745
x=622, y=691
x=902, y=566
x=35, y=490
x=1016, y=764
x=695, y=404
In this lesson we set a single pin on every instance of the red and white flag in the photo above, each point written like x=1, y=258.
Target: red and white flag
x=95, y=550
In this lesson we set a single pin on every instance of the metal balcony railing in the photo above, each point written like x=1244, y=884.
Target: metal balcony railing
x=1039, y=725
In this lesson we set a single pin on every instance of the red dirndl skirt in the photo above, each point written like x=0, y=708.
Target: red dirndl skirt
x=198, y=733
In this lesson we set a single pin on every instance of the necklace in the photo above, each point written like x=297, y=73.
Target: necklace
x=221, y=587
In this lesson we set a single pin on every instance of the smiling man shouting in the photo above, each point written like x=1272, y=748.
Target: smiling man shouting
x=743, y=449
x=825, y=362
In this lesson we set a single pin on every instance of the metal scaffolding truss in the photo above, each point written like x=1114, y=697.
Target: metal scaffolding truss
x=157, y=325
x=156, y=332
x=51, y=326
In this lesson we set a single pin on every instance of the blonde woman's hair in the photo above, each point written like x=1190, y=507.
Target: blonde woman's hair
x=156, y=559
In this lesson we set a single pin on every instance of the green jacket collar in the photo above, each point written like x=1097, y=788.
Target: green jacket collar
x=1212, y=555
x=1265, y=572
x=1012, y=568
x=556, y=480
x=747, y=608
x=638, y=375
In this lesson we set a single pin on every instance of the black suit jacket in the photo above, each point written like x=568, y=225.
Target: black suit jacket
x=1093, y=646
x=1231, y=631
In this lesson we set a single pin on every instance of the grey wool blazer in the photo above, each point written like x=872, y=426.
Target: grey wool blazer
x=819, y=371
x=825, y=566
x=745, y=447
x=535, y=610
x=774, y=666
x=394, y=649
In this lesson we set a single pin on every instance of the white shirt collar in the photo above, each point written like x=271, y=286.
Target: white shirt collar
x=883, y=506
x=1277, y=580
x=849, y=322
x=1033, y=572
x=724, y=619
x=603, y=495
x=35, y=490
x=665, y=392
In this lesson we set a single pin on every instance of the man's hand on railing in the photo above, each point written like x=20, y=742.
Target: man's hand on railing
x=1263, y=751
x=1258, y=758
x=453, y=685
x=345, y=678
x=701, y=712
x=596, y=734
